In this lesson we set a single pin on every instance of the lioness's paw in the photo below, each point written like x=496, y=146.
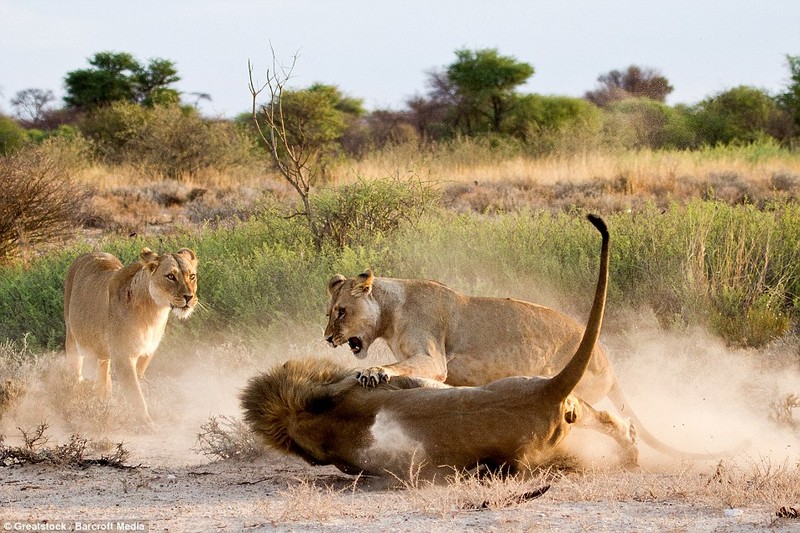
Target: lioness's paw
x=372, y=377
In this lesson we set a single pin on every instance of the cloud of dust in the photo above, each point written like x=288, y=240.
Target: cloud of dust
x=183, y=388
x=688, y=389
x=697, y=395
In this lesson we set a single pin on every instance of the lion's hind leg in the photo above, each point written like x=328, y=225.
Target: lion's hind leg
x=621, y=431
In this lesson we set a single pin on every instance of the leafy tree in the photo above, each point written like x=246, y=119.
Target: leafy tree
x=32, y=105
x=634, y=82
x=316, y=120
x=790, y=100
x=151, y=84
x=485, y=84
x=743, y=114
x=432, y=116
x=301, y=130
x=117, y=76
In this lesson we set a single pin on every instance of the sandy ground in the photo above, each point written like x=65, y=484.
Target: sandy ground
x=172, y=489
x=170, y=485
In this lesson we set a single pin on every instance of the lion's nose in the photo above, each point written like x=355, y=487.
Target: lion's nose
x=188, y=298
x=329, y=339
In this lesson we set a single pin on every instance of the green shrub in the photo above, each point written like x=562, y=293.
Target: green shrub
x=742, y=114
x=560, y=124
x=368, y=211
x=12, y=136
x=645, y=123
x=168, y=141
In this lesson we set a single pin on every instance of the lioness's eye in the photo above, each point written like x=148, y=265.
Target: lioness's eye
x=340, y=313
x=171, y=277
x=192, y=276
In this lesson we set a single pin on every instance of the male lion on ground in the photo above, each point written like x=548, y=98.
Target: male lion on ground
x=416, y=427
x=118, y=314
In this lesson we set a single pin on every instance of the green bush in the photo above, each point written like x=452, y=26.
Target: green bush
x=645, y=123
x=167, y=141
x=548, y=124
x=367, y=212
x=742, y=114
x=12, y=136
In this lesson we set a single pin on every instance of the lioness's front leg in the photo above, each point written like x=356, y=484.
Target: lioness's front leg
x=103, y=383
x=431, y=365
x=126, y=367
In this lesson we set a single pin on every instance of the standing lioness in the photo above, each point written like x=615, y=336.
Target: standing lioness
x=118, y=313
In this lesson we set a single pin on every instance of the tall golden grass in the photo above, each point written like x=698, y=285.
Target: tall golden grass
x=468, y=161
x=643, y=169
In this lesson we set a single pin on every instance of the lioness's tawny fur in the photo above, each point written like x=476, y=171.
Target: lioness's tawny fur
x=412, y=427
x=439, y=333
x=118, y=313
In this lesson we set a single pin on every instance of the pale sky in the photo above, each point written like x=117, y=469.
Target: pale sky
x=381, y=50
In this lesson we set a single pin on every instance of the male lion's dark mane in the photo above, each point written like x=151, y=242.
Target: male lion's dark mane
x=272, y=400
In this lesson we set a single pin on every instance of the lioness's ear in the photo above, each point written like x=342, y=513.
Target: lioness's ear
x=188, y=254
x=335, y=282
x=149, y=259
x=362, y=285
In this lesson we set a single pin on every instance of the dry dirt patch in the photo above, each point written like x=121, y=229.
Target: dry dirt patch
x=172, y=485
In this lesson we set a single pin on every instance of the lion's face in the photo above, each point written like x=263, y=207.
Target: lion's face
x=173, y=281
x=353, y=313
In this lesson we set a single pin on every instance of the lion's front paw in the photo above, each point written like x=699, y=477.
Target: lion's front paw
x=372, y=377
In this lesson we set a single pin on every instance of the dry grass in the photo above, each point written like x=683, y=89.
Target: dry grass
x=225, y=437
x=643, y=169
x=482, y=181
x=77, y=452
x=472, y=177
x=728, y=485
x=106, y=178
x=782, y=411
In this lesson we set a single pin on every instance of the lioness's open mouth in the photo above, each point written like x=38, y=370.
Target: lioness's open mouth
x=355, y=344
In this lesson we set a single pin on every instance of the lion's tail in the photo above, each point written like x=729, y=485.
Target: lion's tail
x=562, y=384
x=619, y=400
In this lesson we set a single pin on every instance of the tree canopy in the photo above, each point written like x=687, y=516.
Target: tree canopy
x=485, y=83
x=740, y=114
x=117, y=76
